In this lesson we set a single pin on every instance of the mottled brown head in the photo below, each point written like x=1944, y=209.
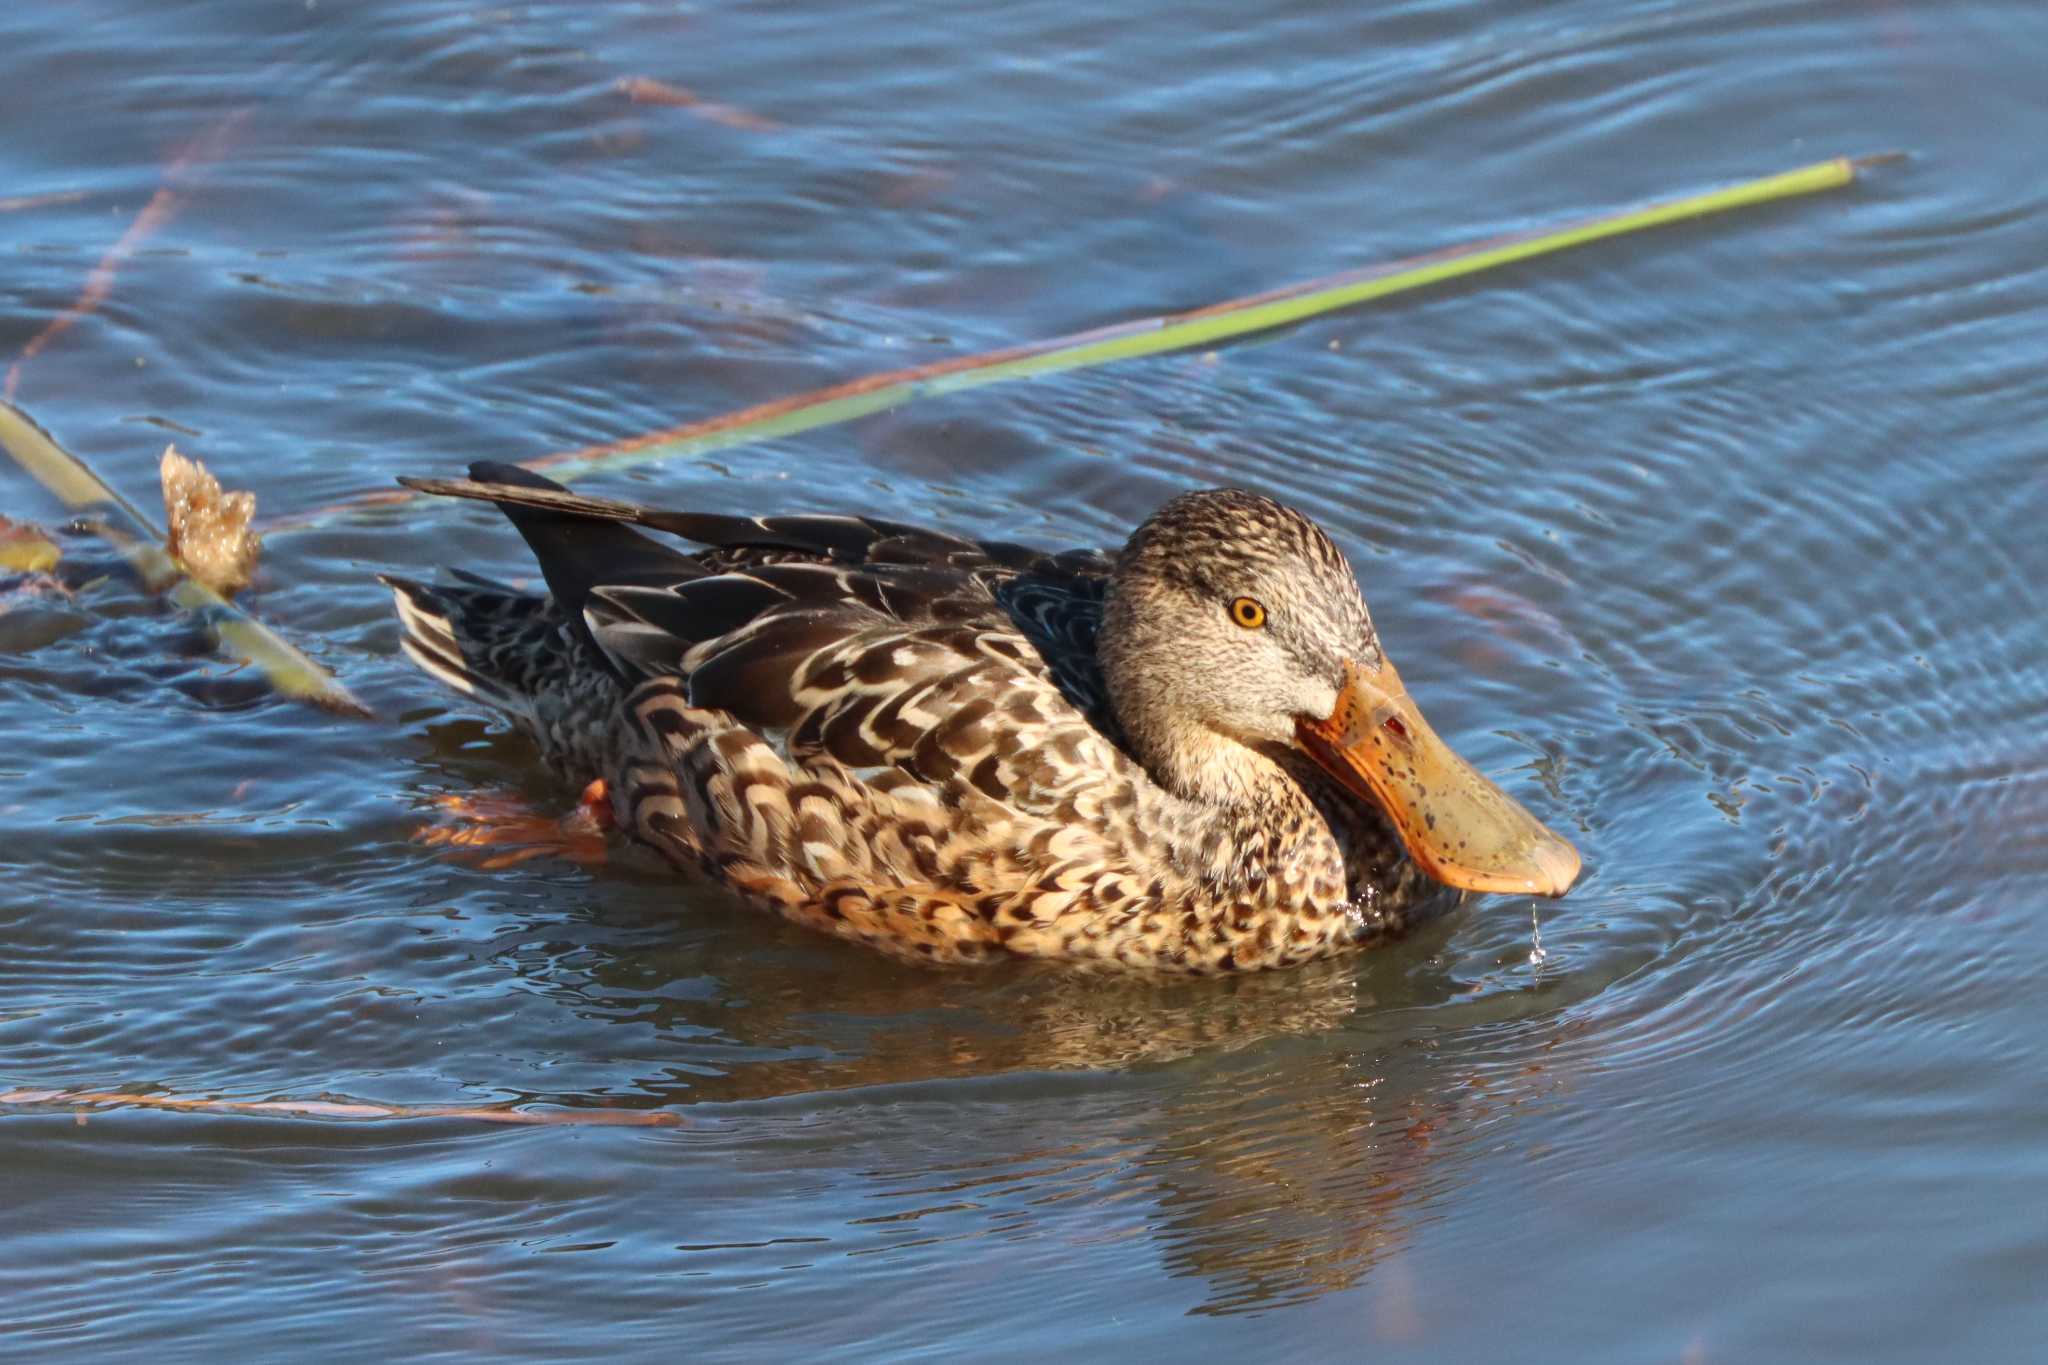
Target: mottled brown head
x=1234, y=627
x=1229, y=615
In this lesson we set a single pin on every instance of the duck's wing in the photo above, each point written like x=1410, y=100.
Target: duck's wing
x=736, y=541
x=872, y=642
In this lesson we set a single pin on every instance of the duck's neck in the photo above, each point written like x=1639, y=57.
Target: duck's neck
x=1206, y=768
x=1241, y=821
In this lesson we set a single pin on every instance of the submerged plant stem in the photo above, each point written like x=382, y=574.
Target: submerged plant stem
x=99, y=284
x=337, y=1109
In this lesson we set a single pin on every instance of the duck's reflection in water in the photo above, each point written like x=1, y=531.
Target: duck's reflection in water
x=1272, y=1135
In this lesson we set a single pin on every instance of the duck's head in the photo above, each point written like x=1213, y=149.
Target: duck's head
x=1235, y=631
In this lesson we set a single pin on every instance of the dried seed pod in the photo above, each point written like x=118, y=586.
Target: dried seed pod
x=209, y=529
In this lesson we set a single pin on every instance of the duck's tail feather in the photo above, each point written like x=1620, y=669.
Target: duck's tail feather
x=579, y=547
x=483, y=639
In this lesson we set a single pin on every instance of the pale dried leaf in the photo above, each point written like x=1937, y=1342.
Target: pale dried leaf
x=209, y=529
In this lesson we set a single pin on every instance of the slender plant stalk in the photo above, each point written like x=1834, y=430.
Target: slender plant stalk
x=238, y=634
x=1151, y=336
x=338, y=1109
x=1175, y=332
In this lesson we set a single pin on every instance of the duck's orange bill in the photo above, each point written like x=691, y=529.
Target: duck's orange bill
x=1458, y=827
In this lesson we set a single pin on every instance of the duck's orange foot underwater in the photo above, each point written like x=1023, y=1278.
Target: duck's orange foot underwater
x=473, y=826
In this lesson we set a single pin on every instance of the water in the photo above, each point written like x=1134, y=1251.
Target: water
x=1721, y=547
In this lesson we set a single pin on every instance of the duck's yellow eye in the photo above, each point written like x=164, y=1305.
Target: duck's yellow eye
x=1248, y=613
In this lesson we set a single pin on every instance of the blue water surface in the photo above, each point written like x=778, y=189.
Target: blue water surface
x=1722, y=547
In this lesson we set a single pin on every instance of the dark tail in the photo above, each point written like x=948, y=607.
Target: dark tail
x=483, y=639
x=579, y=551
x=508, y=648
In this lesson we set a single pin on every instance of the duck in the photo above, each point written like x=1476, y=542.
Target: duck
x=1191, y=755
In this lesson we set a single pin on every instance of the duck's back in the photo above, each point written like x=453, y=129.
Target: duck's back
x=864, y=643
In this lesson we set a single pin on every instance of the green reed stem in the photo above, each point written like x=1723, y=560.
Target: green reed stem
x=238, y=634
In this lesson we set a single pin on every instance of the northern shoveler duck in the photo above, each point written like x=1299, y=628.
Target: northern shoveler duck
x=1189, y=756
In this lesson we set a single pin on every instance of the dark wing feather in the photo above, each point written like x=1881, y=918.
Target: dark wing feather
x=859, y=540
x=841, y=538
x=578, y=553
x=689, y=612
x=755, y=673
x=1060, y=612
